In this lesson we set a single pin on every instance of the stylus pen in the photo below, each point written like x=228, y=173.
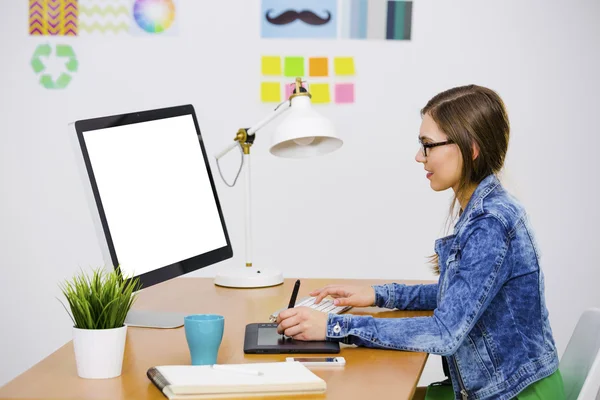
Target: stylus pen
x=293, y=298
x=294, y=294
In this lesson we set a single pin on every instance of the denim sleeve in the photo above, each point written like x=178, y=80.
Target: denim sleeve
x=479, y=276
x=406, y=297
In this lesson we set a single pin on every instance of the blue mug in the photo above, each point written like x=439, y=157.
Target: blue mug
x=204, y=333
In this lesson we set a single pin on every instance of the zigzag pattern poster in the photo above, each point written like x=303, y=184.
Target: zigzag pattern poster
x=104, y=16
x=53, y=17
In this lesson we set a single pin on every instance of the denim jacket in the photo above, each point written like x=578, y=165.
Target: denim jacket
x=489, y=314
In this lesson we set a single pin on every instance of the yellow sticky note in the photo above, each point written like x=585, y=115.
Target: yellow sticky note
x=319, y=92
x=343, y=65
x=271, y=65
x=270, y=92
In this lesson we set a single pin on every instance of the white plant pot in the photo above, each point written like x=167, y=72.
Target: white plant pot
x=99, y=352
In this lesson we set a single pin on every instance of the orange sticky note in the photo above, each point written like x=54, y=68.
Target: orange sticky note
x=318, y=66
x=343, y=65
x=270, y=92
x=271, y=65
x=319, y=92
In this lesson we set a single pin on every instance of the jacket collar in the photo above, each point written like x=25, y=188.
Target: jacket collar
x=475, y=204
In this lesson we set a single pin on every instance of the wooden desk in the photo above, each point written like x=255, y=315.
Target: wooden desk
x=369, y=373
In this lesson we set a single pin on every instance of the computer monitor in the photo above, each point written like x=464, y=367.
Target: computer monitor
x=152, y=197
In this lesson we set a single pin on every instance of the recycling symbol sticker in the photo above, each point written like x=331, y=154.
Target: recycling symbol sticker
x=61, y=57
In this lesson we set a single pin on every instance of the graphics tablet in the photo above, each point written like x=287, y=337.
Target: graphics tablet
x=263, y=338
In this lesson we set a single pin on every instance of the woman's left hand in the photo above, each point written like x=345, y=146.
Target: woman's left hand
x=302, y=323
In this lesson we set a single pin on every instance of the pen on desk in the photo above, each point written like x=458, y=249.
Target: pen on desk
x=246, y=371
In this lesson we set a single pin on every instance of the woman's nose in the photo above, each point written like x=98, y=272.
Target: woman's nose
x=419, y=156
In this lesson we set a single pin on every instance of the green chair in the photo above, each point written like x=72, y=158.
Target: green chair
x=440, y=391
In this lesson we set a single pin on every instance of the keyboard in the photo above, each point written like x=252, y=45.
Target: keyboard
x=326, y=306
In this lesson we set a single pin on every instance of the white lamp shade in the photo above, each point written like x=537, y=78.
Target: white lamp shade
x=304, y=132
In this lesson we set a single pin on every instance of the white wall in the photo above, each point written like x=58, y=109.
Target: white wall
x=363, y=212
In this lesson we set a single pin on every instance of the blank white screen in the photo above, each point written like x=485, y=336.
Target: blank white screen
x=156, y=192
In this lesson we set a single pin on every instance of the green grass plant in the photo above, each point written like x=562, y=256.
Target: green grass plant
x=100, y=300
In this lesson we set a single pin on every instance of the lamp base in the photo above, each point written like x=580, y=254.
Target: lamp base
x=248, y=277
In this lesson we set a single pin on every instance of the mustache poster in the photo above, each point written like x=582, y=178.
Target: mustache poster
x=287, y=17
x=299, y=19
x=333, y=19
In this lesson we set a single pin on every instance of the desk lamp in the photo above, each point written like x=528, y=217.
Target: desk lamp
x=303, y=133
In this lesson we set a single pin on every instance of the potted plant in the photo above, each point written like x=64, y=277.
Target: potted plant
x=98, y=306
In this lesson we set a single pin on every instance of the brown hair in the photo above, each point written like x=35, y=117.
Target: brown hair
x=471, y=115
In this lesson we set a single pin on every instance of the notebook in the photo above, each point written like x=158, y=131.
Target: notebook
x=235, y=380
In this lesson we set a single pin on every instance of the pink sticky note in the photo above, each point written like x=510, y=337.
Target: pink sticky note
x=289, y=89
x=344, y=93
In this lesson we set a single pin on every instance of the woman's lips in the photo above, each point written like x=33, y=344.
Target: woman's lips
x=429, y=175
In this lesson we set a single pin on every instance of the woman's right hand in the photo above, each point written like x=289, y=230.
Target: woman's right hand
x=345, y=295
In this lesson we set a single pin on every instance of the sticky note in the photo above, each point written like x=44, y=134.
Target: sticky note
x=293, y=66
x=343, y=65
x=318, y=66
x=270, y=92
x=289, y=89
x=319, y=92
x=271, y=65
x=344, y=93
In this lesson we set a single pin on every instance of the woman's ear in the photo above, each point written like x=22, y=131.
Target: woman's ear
x=475, y=151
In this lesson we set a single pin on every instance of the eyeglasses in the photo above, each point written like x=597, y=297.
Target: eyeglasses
x=425, y=146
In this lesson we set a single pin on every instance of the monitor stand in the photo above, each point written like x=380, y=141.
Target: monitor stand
x=154, y=319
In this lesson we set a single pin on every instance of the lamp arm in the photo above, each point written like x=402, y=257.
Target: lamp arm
x=281, y=108
x=226, y=150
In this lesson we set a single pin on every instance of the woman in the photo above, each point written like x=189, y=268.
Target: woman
x=489, y=315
